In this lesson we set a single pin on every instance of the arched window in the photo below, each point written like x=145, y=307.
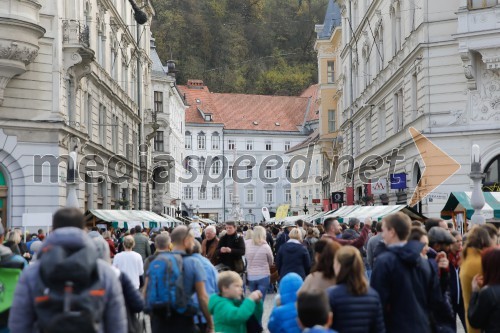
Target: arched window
x=492, y=179
x=188, y=140
x=201, y=141
x=215, y=141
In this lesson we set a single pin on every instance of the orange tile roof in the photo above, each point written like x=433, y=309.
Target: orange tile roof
x=199, y=97
x=245, y=112
x=313, y=92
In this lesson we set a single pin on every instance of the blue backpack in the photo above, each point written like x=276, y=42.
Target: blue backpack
x=165, y=286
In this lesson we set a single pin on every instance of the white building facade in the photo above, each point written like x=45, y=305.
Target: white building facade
x=230, y=132
x=403, y=67
x=168, y=140
x=69, y=81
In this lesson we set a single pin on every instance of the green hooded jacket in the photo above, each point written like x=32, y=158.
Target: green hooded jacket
x=230, y=316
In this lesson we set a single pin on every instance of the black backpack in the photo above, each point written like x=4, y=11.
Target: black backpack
x=69, y=294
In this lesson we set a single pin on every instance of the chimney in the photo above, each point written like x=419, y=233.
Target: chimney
x=195, y=84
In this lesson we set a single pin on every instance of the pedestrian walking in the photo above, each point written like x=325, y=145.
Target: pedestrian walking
x=484, y=306
x=231, y=249
x=322, y=273
x=293, y=256
x=210, y=244
x=259, y=259
x=356, y=307
x=170, y=304
x=130, y=263
x=408, y=306
x=283, y=318
x=333, y=230
x=68, y=264
x=477, y=240
x=141, y=243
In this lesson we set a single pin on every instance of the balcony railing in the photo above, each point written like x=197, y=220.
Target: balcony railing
x=480, y=4
x=76, y=33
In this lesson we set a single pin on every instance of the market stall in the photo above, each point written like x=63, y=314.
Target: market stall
x=127, y=218
x=459, y=209
x=344, y=213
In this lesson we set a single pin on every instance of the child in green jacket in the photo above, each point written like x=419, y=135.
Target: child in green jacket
x=230, y=312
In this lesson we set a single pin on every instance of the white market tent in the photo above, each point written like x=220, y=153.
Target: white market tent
x=207, y=221
x=129, y=218
x=375, y=212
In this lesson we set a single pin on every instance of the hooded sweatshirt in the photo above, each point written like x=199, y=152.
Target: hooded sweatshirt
x=284, y=317
x=230, y=315
x=406, y=307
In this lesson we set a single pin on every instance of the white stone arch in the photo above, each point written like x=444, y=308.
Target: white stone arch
x=489, y=153
x=14, y=177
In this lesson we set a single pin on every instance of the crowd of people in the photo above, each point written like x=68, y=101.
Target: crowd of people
x=394, y=275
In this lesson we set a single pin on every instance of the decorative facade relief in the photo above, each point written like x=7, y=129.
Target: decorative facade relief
x=485, y=102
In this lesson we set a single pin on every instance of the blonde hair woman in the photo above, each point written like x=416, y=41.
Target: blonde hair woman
x=259, y=257
x=293, y=257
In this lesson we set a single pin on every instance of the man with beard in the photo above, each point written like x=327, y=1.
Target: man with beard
x=231, y=249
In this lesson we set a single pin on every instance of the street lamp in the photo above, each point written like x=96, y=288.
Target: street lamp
x=139, y=16
x=305, y=205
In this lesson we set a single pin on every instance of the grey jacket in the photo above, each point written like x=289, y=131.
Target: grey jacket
x=142, y=246
x=370, y=248
x=22, y=314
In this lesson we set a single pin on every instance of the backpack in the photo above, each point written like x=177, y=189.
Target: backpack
x=165, y=286
x=10, y=271
x=69, y=293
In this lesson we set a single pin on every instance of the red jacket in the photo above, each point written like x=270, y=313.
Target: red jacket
x=358, y=242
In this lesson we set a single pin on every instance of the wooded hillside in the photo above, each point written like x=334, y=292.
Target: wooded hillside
x=245, y=46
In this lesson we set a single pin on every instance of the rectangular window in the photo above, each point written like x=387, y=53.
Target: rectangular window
x=188, y=193
x=158, y=97
x=126, y=142
x=215, y=142
x=368, y=132
x=187, y=141
x=287, y=145
x=202, y=193
x=357, y=131
x=249, y=145
x=269, y=195
x=250, y=197
x=288, y=195
x=268, y=172
x=201, y=166
x=287, y=172
x=216, y=192
x=249, y=171
x=331, y=121
x=102, y=124
x=230, y=195
x=216, y=167
x=114, y=132
x=201, y=141
x=317, y=194
x=330, y=72
x=230, y=172
x=381, y=123
x=414, y=97
x=269, y=145
x=159, y=141
x=231, y=145
x=88, y=113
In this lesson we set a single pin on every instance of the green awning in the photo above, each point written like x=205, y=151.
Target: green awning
x=128, y=218
x=460, y=202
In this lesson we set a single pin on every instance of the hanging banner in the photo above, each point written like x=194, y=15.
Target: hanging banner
x=282, y=212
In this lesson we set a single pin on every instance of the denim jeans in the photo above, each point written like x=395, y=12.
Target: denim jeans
x=262, y=285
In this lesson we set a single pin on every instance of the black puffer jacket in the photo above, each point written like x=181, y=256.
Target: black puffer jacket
x=356, y=314
x=484, y=309
x=237, y=245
